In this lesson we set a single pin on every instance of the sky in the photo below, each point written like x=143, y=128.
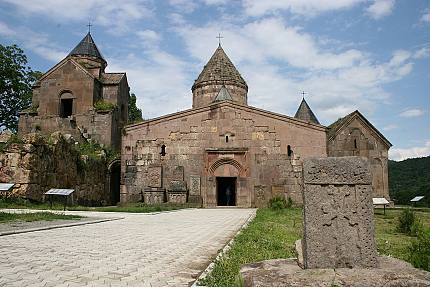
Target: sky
x=370, y=55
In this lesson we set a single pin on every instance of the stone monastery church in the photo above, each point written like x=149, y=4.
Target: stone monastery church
x=221, y=152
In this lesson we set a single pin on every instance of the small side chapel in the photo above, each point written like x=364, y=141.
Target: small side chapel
x=223, y=152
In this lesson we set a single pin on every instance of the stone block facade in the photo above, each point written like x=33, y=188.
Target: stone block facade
x=353, y=135
x=256, y=153
x=338, y=213
x=65, y=99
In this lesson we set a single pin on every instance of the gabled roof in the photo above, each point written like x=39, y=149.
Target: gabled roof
x=230, y=104
x=111, y=78
x=87, y=47
x=305, y=113
x=223, y=95
x=335, y=127
x=62, y=63
x=221, y=70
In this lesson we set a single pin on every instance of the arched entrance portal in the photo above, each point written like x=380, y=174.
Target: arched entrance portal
x=226, y=172
x=115, y=181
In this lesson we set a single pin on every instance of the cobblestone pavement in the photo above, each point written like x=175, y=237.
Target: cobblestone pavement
x=165, y=249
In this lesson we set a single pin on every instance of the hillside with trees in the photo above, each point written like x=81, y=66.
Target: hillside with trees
x=409, y=178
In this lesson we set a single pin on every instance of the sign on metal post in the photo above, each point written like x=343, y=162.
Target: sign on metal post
x=5, y=188
x=380, y=201
x=59, y=192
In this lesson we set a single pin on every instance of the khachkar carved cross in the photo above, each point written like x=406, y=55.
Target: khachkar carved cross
x=219, y=39
x=340, y=209
x=341, y=217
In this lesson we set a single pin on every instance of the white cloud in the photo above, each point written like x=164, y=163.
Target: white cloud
x=185, y=6
x=149, y=37
x=158, y=79
x=405, y=153
x=422, y=53
x=411, y=113
x=426, y=16
x=381, y=8
x=390, y=127
x=38, y=43
x=308, y=7
x=115, y=16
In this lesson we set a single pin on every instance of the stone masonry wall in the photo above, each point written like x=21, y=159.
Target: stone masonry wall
x=358, y=140
x=37, y=164
x=221, y=140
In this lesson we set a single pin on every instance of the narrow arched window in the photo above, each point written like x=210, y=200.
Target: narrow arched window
x=289, y=150
x=355, y=143
x=226, y=139
x=163, y=150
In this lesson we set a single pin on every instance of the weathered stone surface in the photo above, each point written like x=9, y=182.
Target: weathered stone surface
x=155, y=176
x=391, y=272
x=338, y=214
x=331, y=170
x=177, y=185
x=154, y=196
x=177, y=197
x=352, y=135
x=37, y=164
x=194, y=185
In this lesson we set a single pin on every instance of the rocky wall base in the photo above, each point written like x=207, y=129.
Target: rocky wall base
x=36, y=164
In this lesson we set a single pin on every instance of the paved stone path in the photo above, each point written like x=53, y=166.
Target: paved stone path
x=166, y=249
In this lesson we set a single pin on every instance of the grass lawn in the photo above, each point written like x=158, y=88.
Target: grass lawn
x=388, y=239
x=37, y=216
x=272, y=235
x=132, y=207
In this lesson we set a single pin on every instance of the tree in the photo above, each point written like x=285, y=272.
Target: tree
x=16, y=79
x=134, y=113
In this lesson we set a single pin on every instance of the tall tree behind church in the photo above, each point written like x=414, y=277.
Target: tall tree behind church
x=134, y=113
x=16, y=79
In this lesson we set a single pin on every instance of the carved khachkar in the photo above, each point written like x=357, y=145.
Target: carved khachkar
x=194, y=185
x=338, y=213
x=154, y=176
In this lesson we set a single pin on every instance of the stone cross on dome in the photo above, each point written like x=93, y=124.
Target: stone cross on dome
x=219, y=37
x=303, y=94
x=89, y=26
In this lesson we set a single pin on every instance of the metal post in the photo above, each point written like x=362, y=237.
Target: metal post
x=65, y=202
x=384, y=209
x=50, y=199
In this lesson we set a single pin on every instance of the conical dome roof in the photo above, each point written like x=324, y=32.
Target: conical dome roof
x=87, y=47
x=220, y=70
x=305, y=113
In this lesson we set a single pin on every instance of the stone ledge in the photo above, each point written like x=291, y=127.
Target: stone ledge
x=286, y=273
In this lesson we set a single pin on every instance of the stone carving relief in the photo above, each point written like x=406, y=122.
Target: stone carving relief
x=155, y=176
x=338, y=213
x=194, y=185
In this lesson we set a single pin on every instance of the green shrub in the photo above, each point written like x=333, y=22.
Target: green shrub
x=406, y=221
x=278, y=203
x=419, y=250
x=289, y=202
x=104, y=106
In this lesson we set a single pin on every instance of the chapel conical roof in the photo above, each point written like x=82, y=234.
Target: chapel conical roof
x=87, y=47
x=220, y=70
x=305, y=113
